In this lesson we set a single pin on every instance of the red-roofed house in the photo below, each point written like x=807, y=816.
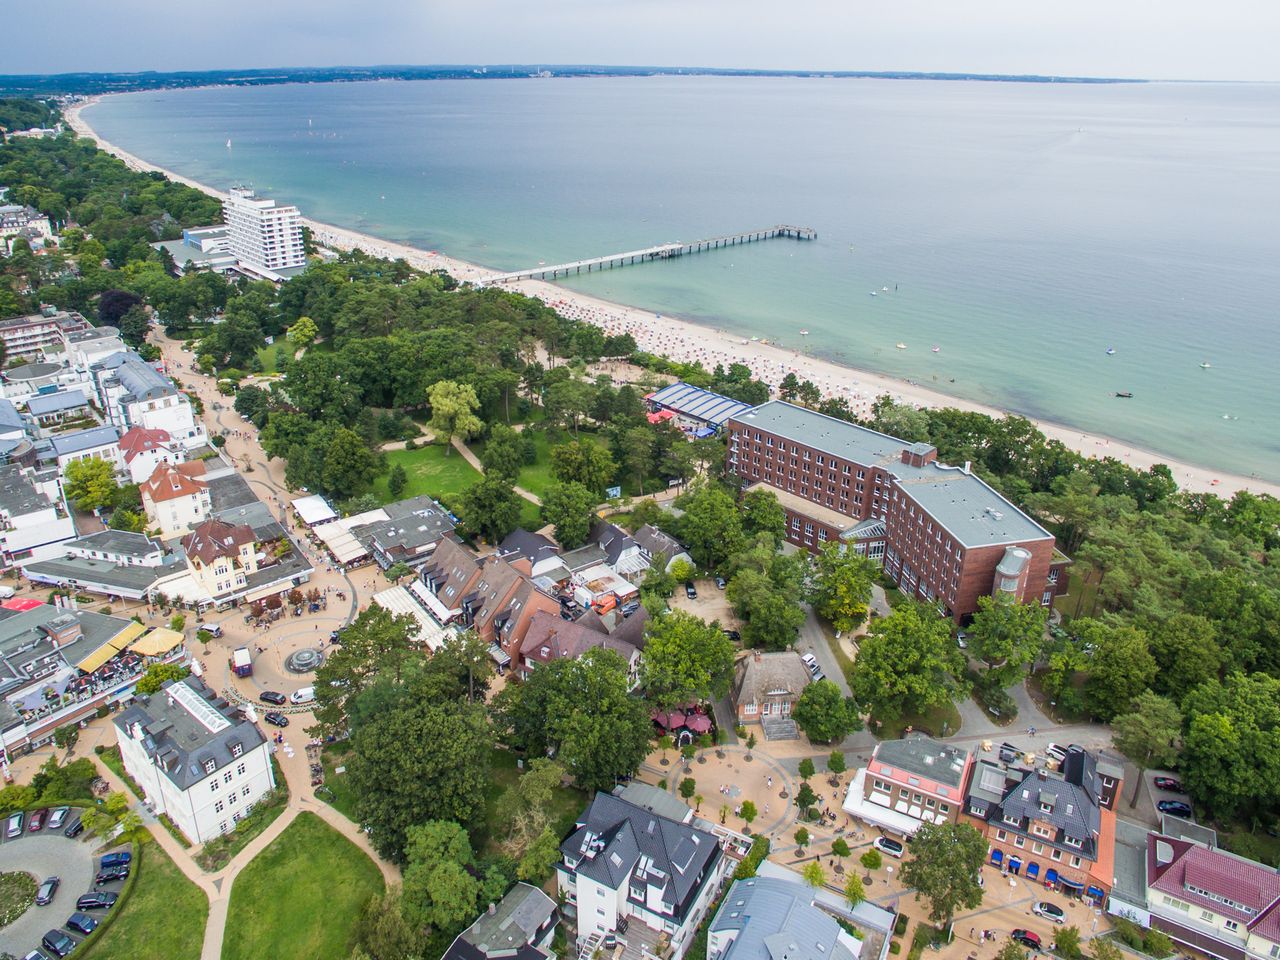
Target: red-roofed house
x=550, y=638
x=143, y=450
x=221, y=556
x=176, y=497
x=1211, y=900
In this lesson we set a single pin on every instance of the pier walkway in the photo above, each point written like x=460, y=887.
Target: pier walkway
x=663, y=251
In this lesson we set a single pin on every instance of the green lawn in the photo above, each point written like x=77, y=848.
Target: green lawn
x=429, y=472
x=269, y=355
x=932, y=721
x=337, y=790
x=299, y=897
x=162, y=919
x=566, y=803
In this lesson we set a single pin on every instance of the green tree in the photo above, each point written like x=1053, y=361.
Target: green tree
x=419, y=761
x=1231, y=752
x=813, y=874
x=349, y=465
x=503, y=453
x=396, y=481
x=303, y=333
x=1012, y=950
x=540, y=857
x=491, y=508
x=685, y=661
x=944, y=868
x=871, y=859
x=805, y=798
x=762, y=514
x=398, y=571
x=688, y=787
x=1072, y=504
x=157, y=675
x=1100, y=948
x=582, y=711
x=439, y=889
x=639, y=444
x=854, y=892
x=569, y=506
x=65, y=737
x=771, y=619
x=585, y=463
x=711, y=528
x=806, y=768
x=906, y=663
x=836, y=763
x=841, y=586
x=376, y=644
x=525, y=808
x=748, y=812
x=90, y=484
x=134, y=325
x=1066, y=943
x=1150, y=734
x=840, y=848
x=453, y=407
x=824, y=714
x=1187, y=652
x=381, y=931
x=1006, y=636
x=1121, y=666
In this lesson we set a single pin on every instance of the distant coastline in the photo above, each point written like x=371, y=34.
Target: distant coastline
x=688, y=341
x=103, y=83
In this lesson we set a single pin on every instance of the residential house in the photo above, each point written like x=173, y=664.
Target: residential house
x=143, y=450
x=176, y=497
x=520, y=926
x=197, y=759
x=1049, y=826
x=221, y=557
x=622, y=554
x=51, y=409
x=767, y=918
x=17, y=220
x=542, y=555
x=624, y=862
x=102, y=443
x=910, y=782
x=83, y=348
x=766, y=687
x=550, y=638
x=408, y=535
x=653, y=542
x=33, y=524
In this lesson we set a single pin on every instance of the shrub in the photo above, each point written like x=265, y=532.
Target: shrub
x=895, y=948
x=871, y=859
x=900, y=925
x=755, y=856
x=1157, y=943
x=1128, y=932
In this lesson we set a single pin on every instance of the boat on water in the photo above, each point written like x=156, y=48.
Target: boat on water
x=1111, y=351
x=884, y=289
x=873, y=293
x=1124, y=394
x=937, y=349
x=1206, y=365
x=901, y=346
x=804, y=333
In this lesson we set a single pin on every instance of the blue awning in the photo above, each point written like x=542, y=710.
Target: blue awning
x=1051, y=876
x=1014, y=863
x=1033, y=869
x=1094, y=891
x=1070, y=883
x=997, y=856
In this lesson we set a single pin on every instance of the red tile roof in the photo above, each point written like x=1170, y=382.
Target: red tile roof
x=138, y=440
x=217, y=538
x=169, y=481
x=1175, y=865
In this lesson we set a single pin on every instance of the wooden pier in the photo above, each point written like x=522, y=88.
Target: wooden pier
x=663, y=251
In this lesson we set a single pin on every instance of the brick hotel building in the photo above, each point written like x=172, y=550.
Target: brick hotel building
x=942, y=533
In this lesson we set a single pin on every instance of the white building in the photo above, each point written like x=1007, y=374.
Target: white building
x=132, y=393
x=100, y=442
x=264, y=237
x=176, y=497
x=28, y=336
x=624, y=861
x=143, y=450
x=193, y=759
x=32, y=524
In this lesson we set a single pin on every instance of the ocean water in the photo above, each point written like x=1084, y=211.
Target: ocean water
x=1024, y=229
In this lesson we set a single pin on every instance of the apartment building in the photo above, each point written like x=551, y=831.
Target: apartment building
x=910, y=782
x=940, y=532
x=28, y=336
x=133, y=393
x=176, y=497
x=265, y=237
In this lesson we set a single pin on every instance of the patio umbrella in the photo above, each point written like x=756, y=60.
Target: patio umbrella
x=661, y=719
x=677, y=720
x=699, y=723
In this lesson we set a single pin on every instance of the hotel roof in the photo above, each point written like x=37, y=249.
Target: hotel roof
x=925, y=757
x=82, y=440
x=46, y=403
x=699, y=404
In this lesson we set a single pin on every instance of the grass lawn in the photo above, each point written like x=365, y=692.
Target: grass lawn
x=269, y=355
x=163, y=918
x=337, y=790
x=566, y=803
x=930, y=721
x=1079, y=598
x=429, y=472
x=299, y=897
x=17, y=893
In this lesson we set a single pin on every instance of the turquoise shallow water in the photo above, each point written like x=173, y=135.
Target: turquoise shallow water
x=1027, y=227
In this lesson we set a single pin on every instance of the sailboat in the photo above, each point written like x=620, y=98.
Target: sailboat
x=937, y=349
x=901, y=346
x=228, y=143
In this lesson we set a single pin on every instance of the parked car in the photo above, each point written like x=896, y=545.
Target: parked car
x=690, y=590
x=276, y=719
x=305, y=695
x=1169, y=783
x=720, y=583
x=57, y=817
x=213, y=629
x=57, y=943
x=117, y=859
x=81, y=923
x=811, y=663
x=1056, y=753
x=273, y=696
x=112, y=874
x=35, y=955
x=36, y=823
x=889, y=846
x=14, y=827
x=962, y=640
x=74, y=829
x=1009, y=753
x=44, y=895
x=1176, y=807
x=733, y=635
x=1050, y=911
x=97, y=900
x=630, y=607
x=1027, y=938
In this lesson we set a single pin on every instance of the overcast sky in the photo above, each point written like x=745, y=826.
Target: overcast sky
x=1174, y=39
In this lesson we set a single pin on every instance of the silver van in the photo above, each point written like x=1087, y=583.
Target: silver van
x=14, y=827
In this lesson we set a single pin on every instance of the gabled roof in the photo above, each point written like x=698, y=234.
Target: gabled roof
x=81, y=440
x=613, y=540
x=171, y=481
x=1216, y=880
x=216, y=538
x=565, y=640
x=761, y=675
x=653, y=542
x=56, y=402
x=777, y=919
x=534, y=547
x=138, y=440
x=508, y=929
x=1070, y=809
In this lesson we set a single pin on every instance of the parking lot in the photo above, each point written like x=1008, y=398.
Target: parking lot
x=710, y=604
x=49, y=854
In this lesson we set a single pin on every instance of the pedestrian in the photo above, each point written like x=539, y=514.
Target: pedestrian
x=770, y=781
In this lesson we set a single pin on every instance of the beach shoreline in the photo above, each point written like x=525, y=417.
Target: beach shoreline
x=684, y=340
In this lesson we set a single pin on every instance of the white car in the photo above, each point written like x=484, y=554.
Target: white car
x=1050, y=911
x=305, y=695
x=811, y=663
x=889, y=846
x=1056, y=752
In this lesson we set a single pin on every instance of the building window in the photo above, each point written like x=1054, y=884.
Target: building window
x=236, y=750
x=1231, y=925
x=944, y=808
x=236, y=817
x=244, y=792
x=217, y=807
x=1075, y=861
x=231, y=798
x=1056, y=854
x=240, y=769
x=1019, y=842
x=1037, y=848
x=1206, y=916
x=222, y=827
x=213, y=786
x=210, y=766
x=226, y=777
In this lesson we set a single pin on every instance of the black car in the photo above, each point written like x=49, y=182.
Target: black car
x=57, y=943
x=44, y=896
x=74, y=829
x=733, y=635
x=690, y=590
x=1176, y=807
x=81, y=923
x=273, y=696
x=117, y=859
x=276, y=719
x=111, y=874
x=97, y=900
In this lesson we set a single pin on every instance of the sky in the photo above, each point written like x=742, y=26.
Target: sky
x=1152, y=39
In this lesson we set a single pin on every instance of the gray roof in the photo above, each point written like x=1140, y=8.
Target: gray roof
x=612, y=539
x=969, y=509
x=93, y=333
x=181, y=743
x=588, y=556
x=612, y=835
x=117, y=541
x=32, y=371
x=140, y=380
x=759, y=675
x=10, y=418
x=24, y=639
x=84, y=440
x=925, y=757
x=507, y=931
x=776, y=920
x=18, y=495
x=97, y=573
x=654, y=799
x=46, y=403
x=534, y=547
x=1072, y=809
x=227, y=488
x=411, y=525
x=1129, y=882
x=653, y=542
x=699, y=404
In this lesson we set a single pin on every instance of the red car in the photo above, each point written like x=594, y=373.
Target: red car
x=36, y=823
x=1168, y=783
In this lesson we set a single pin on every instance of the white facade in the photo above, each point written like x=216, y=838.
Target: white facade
x=31, y=522
x=144, y=462
x=108, y=450
x=264, y=237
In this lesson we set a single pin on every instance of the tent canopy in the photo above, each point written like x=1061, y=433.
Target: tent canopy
x=158, y=641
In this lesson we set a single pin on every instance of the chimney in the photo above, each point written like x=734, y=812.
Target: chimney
x=967, y=465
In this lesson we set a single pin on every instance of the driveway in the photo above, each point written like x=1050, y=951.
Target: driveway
x=46, y=855
x=813, y=639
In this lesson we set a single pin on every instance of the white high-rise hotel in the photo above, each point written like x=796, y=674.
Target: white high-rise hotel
x=265, y=238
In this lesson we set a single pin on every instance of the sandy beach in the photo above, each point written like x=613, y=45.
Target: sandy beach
x=685, y=341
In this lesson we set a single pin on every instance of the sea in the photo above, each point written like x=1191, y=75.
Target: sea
x=1057, y=243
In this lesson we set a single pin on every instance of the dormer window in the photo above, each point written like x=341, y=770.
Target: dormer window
x=236, y=749
x=210, y=766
